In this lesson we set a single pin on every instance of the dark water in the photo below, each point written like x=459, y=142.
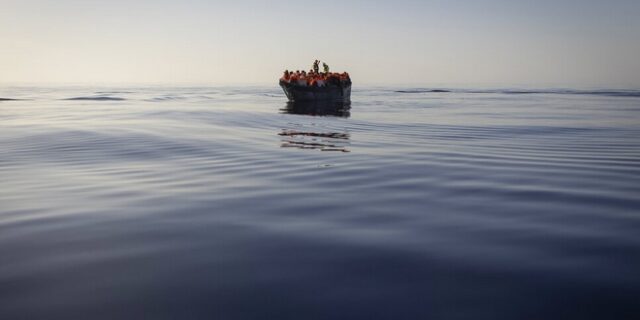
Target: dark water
x=227, y=203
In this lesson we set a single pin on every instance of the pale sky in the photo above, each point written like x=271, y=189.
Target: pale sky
x=424, y=43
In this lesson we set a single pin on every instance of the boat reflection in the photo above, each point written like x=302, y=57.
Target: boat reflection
x=315, y=139
x=329, y=141
x=318, y=108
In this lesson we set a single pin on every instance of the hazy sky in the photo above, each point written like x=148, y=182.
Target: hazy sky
x=487, y=43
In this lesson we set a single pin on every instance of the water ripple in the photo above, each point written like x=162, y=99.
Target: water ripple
x=98, y=98
x=430, y=205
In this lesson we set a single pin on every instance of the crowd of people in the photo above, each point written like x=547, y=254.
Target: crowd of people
x=315, y=78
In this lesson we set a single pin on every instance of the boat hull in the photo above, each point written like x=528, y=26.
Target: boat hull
x=318, y=108
x=296, y=93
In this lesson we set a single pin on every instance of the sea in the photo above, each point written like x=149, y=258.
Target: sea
x=163, y=202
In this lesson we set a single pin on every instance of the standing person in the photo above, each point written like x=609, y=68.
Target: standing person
x=325, y=67
x=316, y=66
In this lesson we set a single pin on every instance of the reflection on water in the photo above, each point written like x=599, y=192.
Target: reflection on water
x=330, y=141
x=318, y=108
x=323, y=141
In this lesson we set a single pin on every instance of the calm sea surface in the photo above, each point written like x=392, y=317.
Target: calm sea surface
x=227, y=203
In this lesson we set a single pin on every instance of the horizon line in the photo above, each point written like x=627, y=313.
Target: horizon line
x=275, y=85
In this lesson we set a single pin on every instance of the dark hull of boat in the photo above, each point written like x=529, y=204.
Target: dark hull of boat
x=328, y=93
x=318, y=108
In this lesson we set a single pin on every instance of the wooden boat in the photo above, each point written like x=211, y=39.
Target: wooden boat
x=330, y=92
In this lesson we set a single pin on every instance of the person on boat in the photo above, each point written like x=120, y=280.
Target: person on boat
x=286, y=76
x=302, y=79
x=315, y=78
x=332, y=79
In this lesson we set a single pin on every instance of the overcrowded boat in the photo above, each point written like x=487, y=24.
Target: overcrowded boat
x=315, y=85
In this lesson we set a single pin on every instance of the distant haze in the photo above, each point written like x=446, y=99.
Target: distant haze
x=421, y=43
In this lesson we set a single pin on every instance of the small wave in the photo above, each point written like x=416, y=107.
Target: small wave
x=114, y=92
x=613, y=93
x=603, y=92
x=95, y=99
x=166, y=98
x=423, y=91
x=609, y=93
x=9, y=99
